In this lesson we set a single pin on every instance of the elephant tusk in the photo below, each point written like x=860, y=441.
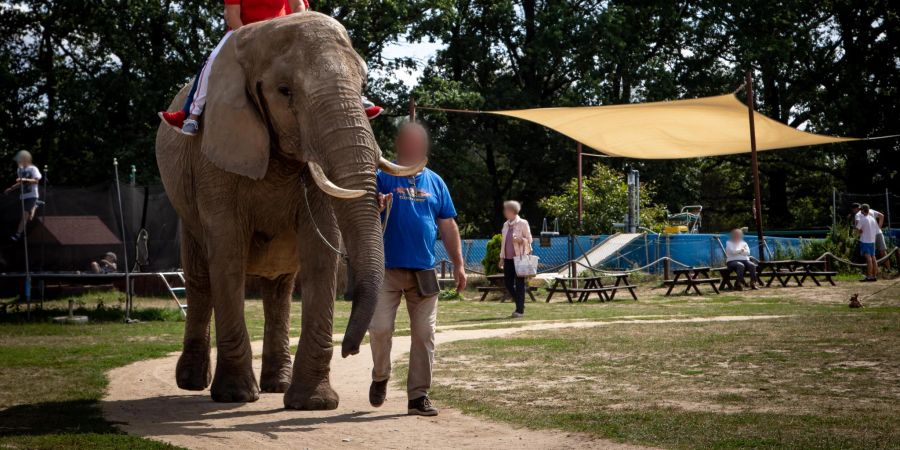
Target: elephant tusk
x=401, y=171
x=328, y=187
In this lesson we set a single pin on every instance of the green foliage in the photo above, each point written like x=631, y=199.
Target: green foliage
x=784, y=252
x=840, y=242
x=491, y=261
x=450, y=294
x=605, y=196
x=81, y=83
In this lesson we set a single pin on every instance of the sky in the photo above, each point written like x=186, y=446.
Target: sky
x=422, y=52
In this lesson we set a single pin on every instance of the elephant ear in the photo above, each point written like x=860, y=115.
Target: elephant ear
x=235, y=137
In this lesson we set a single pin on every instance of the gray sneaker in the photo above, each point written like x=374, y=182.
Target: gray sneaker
x=191, y=127
x=516, y=315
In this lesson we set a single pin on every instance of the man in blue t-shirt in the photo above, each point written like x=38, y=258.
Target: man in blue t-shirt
x=421, y=207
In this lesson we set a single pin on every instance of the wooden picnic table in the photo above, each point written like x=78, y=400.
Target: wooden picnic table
x=726, y=274
x=691, y=277
x=798, y=270
x=591, y=285
x=497, y=285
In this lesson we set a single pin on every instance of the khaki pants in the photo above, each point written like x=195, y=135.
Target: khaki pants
x=422, y=319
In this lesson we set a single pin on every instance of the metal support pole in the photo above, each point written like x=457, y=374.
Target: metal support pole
x=25, y=245
x=412, y=109
x=887, y=208
x=754, y=162
x=580, y=198
x=833, y=209
x=128, y=292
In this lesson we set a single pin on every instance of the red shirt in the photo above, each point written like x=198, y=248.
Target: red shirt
x=259, y=10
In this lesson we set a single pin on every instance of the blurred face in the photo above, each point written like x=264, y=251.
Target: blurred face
x=509, y=213
x=737, y=235
x=411, y=145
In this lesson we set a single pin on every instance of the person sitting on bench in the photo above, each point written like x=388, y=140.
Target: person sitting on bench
x=737, y=259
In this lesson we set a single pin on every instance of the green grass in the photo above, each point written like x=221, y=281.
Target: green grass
x=824, y=376
x=52, y=376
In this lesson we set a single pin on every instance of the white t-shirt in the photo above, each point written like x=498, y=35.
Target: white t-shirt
x=737, y=251
x=868, y=229
x=872, y=214
x=29, y=190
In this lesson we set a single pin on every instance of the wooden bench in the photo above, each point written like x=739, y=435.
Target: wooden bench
x=690, y=278
x=488, y=289
x=799, y=271
x=591, y=285
x=498, y=286
x=726, y=274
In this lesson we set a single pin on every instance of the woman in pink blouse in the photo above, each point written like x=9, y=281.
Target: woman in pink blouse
x=516, y=242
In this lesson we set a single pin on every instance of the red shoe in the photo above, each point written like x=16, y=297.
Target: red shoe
x=372, y=110
x=173, y=119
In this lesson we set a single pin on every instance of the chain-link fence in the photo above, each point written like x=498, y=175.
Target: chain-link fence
x=885, y=202
x=75, y=226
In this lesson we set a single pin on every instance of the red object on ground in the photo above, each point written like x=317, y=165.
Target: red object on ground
x=173, y=119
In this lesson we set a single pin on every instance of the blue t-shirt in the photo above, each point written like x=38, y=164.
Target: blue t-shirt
x=412, y=226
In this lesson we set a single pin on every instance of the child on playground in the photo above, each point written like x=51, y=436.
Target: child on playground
x=237, y=14
x=868, y=230
x=27, y=178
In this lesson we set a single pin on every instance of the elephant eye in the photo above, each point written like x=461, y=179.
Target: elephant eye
x=284, y=90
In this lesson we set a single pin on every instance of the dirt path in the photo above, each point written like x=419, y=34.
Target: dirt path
x=144, y=400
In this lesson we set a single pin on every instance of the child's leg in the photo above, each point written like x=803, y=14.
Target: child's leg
x=190, y=97
x=26, y=216
x=196, y=107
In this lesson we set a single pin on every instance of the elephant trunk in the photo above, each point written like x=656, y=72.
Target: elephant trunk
x=350, y=156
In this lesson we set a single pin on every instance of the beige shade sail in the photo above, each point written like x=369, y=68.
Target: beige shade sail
x=708, y=126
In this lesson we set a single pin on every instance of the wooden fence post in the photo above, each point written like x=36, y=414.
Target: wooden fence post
x=573, y=272
x=666, y=269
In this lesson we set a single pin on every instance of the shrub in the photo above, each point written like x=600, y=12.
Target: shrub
x=449, y=294
x=491, y=261
x=840, y=242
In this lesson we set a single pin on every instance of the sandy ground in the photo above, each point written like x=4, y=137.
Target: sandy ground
x=144, y=400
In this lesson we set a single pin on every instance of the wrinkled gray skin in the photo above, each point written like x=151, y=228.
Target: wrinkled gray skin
x=281, y=93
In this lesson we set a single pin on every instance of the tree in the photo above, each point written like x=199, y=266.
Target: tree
x=605, y=197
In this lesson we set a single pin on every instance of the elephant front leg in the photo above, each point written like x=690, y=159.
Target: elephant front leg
x=192, y=372
x=276, y=359
x=311, y=388
x=234, y=380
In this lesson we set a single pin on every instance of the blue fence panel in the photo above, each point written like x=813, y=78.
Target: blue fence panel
x=688, y=249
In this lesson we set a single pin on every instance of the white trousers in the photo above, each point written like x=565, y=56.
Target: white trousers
x=203, y=82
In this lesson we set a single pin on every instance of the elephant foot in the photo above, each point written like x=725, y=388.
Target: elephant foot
x=275, y=382
x=192, y=372
x=320, y=397
x=234, y=384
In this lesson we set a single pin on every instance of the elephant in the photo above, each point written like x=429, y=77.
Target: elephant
x=281, y=177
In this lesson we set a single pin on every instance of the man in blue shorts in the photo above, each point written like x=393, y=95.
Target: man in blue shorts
x=868, y=231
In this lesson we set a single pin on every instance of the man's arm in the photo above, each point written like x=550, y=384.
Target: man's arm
x=233, y=16
x=879, y=217
x=453, y=245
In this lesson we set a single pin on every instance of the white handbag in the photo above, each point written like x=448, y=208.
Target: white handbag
x=526, y=265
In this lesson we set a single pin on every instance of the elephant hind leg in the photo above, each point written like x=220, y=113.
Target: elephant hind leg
x=193, y=372
x=276, y=358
